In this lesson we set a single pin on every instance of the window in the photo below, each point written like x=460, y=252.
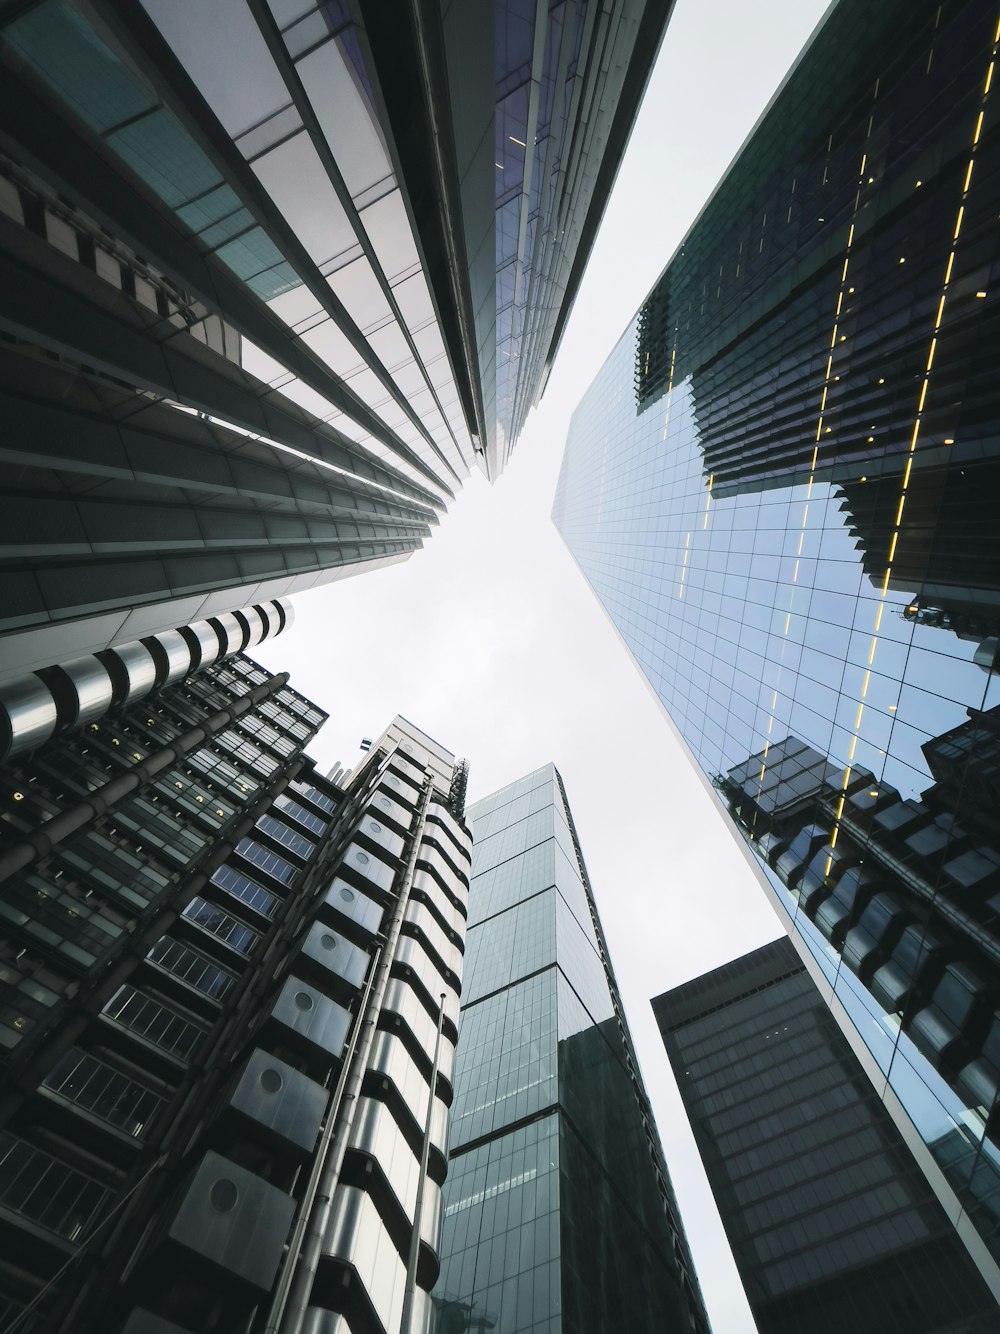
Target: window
x=268, y=861
x=300, y=815
x=99, y=1089
x=281, y=833
x=246, y=890
x=229, y=929
x=191, y=967
x=46, y=1191
x=155, y=1022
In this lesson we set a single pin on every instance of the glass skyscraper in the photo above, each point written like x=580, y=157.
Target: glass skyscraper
x=832, y=1224
x=260, y=263
x=783, y=488
x=559, y=1217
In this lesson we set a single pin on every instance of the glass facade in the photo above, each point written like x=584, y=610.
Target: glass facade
x=832, y=1224
x=558, y=1213
x=567, y=86
x=782, y=487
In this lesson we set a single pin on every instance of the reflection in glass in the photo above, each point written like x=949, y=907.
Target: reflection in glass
x=783, y=486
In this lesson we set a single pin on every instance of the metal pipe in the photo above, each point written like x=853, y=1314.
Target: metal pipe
x=306, y=1263
x=40, y=844
x=333, y=1111
x=406, y=1319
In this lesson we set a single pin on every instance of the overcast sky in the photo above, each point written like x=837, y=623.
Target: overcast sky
x=491, y=641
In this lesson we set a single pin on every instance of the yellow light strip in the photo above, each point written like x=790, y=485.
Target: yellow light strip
x=918, y=419
x=821, y=427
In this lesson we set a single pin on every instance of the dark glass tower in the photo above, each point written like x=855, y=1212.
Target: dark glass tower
x=783, y=488
x=559, y=1215
x=832, y=1224
x=225, y=985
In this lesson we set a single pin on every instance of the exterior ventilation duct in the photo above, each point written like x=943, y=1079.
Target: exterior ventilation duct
x=36, y=706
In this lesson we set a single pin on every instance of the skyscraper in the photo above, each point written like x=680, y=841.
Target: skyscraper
x=569, y=80
x=832, y=1224
x=558, y=1211
x=259, y=260
x=228, y=1004
x=782, y=488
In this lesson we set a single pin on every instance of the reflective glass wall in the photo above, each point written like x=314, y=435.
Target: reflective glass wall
x=558, y=1213
x=783, y=488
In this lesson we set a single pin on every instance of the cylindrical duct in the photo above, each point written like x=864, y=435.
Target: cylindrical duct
x=172, y=656
x=67, y=694
x=204, y=642
x=82, y=689
x=132, y=671
x=256, y=626
x=233, y=632
x=28, y=715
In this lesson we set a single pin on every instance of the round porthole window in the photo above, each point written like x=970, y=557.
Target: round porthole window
x=270, y=1080
x=374, y=826
x=223, y=1195
x=361, y=857
x=327, y=941
x=384, y=802
x=408, y=748
x=347, y=895
x=303, y=1000
x=393, y=782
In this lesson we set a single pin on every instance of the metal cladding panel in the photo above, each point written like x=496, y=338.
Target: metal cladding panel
x=402, y=1000
x=175, y=646
x=377, y=1135
x=144, y=1322
x=376, y=832
x=31, y=714
x=257, y=626
x=399, y=789
x=391, y=1059
x=431, y=858
x=408, y=768
x=318, y=1321
x=139, y=669
x=384, y=805
x=233, y=633
x=335, y=954
x=463, y=840
x=91, y=686
x=281, y=1099
x=413, y=953
x=427, y=884
x=235, y=1220
x=419, y=916
x=209, y=645
x=356, y=1236
x=343, y=900
x=367, y=865
x=313, y=1017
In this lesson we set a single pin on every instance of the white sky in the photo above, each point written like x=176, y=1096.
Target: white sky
x=491, y=641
